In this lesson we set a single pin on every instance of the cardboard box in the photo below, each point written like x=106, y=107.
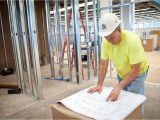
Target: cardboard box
x=61, y=112
x=158, y=42
x=156, y=32
x=148, y=44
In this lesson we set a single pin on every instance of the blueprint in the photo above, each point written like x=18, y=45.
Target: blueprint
x=95, y=105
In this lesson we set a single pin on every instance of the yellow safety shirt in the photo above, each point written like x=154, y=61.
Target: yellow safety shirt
x=129, y=51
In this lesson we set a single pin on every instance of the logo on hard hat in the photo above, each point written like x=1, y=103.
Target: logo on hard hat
x=103, y=26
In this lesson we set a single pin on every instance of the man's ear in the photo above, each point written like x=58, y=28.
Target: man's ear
x=119, y=29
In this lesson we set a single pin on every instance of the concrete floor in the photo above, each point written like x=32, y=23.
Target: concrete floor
x=20, y=106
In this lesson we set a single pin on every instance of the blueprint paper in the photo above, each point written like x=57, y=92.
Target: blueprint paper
x=95, y=105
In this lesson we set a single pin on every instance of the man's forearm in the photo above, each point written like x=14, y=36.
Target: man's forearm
x=102, y=72
x=130, y=77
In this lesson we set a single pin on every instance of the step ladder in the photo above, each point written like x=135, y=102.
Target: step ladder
x=71, y=43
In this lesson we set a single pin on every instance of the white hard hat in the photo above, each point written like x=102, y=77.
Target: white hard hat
x=108, y=23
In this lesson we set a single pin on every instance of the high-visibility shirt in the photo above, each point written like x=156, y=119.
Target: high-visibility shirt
x=126, y=53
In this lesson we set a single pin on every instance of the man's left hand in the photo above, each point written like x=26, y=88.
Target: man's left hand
x=113, y=96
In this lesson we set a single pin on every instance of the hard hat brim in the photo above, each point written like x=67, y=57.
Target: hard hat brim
x=104, y=33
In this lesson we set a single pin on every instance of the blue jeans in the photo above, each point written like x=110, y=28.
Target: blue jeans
x=136, y=86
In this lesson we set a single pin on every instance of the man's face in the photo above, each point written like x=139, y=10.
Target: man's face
x=114, y=37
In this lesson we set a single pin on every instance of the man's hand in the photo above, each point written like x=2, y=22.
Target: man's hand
x=95, y=89
x=113, y=96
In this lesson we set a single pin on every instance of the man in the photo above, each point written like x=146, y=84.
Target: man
x=124, y=49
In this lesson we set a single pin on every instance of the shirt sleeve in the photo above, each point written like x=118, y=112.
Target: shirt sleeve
x=104, y=53
x=135, y=51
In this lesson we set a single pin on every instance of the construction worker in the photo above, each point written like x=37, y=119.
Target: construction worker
x=124, y=49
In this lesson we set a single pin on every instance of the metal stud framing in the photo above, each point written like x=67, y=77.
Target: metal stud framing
x=76, y=32
x=132, y=15
x=58, y=37
x=95, y=36
x=87, y=38
x=99, y=38
x=49, y=34
x=67, y=38
x=121, y=13
x=25, y=47
x=34, y=46
x=15, y=42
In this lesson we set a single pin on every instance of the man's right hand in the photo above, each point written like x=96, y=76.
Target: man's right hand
x=96, y=88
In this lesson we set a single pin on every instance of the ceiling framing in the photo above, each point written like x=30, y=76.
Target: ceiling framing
x=145, y=10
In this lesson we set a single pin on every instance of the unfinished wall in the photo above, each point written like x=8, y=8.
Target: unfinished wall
x=42, y=35
x=7, y=38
